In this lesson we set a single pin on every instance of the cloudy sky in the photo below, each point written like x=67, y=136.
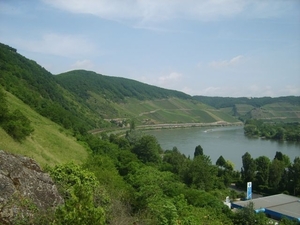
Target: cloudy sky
x=230, y=48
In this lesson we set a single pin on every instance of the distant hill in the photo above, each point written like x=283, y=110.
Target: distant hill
x=83, y=83
x=285, y=109
x=119, y=98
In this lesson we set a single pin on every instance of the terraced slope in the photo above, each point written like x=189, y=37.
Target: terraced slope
x=284, y=109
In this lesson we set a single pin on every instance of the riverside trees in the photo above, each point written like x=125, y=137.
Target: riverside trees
x=275, y=131
x=271, y=176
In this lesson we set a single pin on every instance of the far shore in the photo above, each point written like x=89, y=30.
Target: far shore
x=170, y=126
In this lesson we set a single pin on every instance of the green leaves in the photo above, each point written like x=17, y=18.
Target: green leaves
x=147, y=149
x=81, y=191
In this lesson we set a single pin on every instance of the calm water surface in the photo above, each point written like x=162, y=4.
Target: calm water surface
x=229, y=142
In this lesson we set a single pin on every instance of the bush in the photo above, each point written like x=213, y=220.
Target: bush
x=17, y=125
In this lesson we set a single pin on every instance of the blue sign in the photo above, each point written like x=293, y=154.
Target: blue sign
x=249, y=190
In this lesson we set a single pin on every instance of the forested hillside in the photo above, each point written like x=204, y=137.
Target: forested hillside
x=116, y=89
x=37, y=88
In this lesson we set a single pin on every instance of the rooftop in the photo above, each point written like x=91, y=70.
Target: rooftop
x=276, y=205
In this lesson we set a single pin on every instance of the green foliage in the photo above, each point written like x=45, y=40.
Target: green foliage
x=175, y=162
x=201, y=173
x=285, y=221
x=38, y=88
x=276, y=131
x=17, y=125
x=115, y=89
x=221, y=162
x=14, y=123
x=247, y=216
x=147, y=149
x=84, y=202
x=248, y=169
x=80, y=208
x=223, y=102
x=108, y=176
x=263, y=167
x=294, y=176
x=3, y=107
x=198, y=151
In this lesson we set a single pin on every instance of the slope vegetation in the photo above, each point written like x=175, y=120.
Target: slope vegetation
x=49, y=144
x=37, y=88
x=120, y=99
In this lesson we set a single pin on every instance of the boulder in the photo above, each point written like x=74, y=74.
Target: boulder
x=24, y=188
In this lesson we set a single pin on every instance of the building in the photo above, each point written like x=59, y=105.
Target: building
x=274, y=206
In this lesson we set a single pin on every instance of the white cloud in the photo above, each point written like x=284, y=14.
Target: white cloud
x=226, y=63
x=83, y=64
x=57, y=44
x=170, y=79
x=290, y=90
x=212, y=91
x=144, y=11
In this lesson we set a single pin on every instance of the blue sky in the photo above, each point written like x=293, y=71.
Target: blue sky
x=229, y=48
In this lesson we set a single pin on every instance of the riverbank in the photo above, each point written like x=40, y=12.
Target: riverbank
x=168, y=126
x=188, y=125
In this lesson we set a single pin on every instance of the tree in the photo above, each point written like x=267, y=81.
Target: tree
x=275, y=175
x=147, y=149
x=294, y=175
x=263, y=166
x=283, y=158
x=202, y=174
x=198, y=151
x=175, y=160
x=221, y=162
x=248, y=169
x=17, y=125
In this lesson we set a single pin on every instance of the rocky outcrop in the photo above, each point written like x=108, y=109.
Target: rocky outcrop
x=24, y=188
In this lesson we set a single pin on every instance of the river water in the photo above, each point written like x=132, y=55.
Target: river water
x=230, y=142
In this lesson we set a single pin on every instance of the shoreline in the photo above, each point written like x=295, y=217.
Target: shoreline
x=188, y=125
x=170, y=126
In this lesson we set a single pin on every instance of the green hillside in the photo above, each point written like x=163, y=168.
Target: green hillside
x=49, y=143
x=284, y=109
x=37, y=88
x=116, y=89
x=120, y=99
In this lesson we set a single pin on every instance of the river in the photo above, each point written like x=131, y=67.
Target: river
x=230, y=142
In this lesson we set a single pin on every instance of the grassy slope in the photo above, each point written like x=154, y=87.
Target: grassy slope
x=49, y=144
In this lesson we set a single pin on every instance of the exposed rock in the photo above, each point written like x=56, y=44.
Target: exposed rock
x=24, y=188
